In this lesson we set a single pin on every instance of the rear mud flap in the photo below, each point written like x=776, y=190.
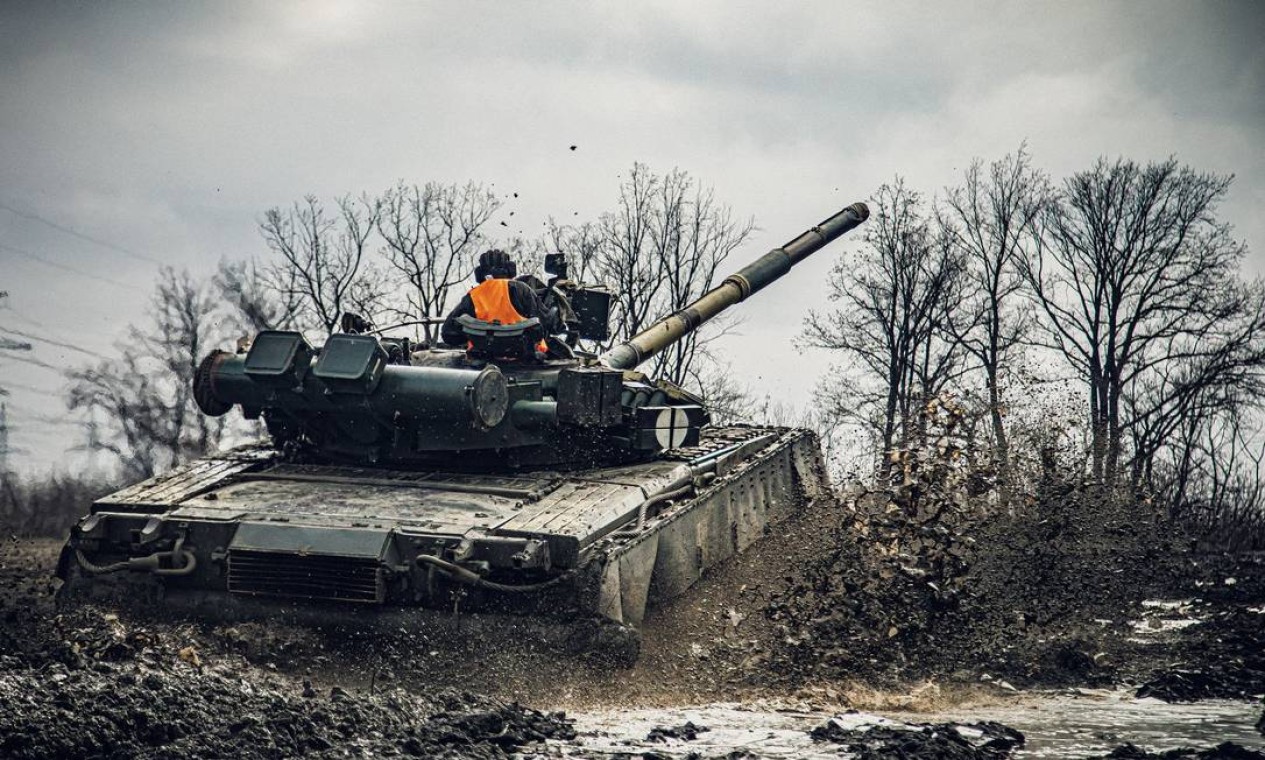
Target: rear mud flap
x=735, y=511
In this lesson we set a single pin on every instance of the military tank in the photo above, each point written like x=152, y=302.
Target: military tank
x=487, y=477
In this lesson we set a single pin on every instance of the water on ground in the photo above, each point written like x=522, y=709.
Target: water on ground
x=1070, y=725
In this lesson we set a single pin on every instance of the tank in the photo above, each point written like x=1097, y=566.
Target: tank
x=494, y=476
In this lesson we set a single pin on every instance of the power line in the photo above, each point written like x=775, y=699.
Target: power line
x=40, y=419
x=19, y=315
x=80, y=235
x=7, y=385
x=83, y=329
x=32, y=360
x=52, y=342
x=65, y=268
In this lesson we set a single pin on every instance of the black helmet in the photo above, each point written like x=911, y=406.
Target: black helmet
x=495, y=263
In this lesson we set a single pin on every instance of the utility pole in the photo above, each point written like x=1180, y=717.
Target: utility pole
x=4, y=441
x=9, y=345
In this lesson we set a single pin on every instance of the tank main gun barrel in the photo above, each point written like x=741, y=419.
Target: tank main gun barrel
x=736, y=287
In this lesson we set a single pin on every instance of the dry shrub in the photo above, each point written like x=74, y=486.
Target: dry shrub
x=47, y=506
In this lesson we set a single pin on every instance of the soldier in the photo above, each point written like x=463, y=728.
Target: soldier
x=497, y=298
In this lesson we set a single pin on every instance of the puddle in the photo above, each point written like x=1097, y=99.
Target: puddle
x=1056, y=726
x=1160, y=617
x=1097, y=721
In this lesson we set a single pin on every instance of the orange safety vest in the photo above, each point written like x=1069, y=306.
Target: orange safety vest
x=492, y=304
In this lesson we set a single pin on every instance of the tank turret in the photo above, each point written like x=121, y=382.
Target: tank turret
x=368, y=400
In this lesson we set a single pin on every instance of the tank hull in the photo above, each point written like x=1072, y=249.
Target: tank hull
x=247, y=531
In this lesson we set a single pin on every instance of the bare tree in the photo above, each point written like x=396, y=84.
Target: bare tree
x=892, y=320
x=727, y=401
x=323, y=266
x=1136, y=281
x=1213, y=479
x=660, y=249
x=1203, y=382
x=582, y=243
x=256, y=303
x=625, y=261
x=140, y=407
x=989, y=218
x=433, y=234
x=695, y=238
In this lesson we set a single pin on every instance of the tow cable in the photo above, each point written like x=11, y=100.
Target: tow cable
x=152, y=562
x=471, y=578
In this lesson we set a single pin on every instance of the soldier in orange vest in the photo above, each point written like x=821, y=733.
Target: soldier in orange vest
x=497, y=298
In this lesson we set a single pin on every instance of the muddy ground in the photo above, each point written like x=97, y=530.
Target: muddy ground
x=90, y=682
x=1036, y=602
x=810, y=616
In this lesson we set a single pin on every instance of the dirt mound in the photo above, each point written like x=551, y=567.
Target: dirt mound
x=936, y=588
x=1223, y=751
x=923, y=741
x=109, y=711
x=1222, y=655
x=88, y=683
x=1222, y=658
x=687, y=732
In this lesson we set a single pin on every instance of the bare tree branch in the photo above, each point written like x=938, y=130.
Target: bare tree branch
x=433, y=234
x=1137, y=284
x=322, y=264
x=140, y=407
x=895, y=299
x=989, y=219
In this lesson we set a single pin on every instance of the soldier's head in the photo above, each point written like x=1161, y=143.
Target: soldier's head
x=495, y=264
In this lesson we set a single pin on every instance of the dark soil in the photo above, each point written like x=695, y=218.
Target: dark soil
x=914, y=591
x=687, y=731
x=1224, y=656
x=876, y=590
x=934, y=741
x=1224, y=751
x=86, y=683
x=131, y=710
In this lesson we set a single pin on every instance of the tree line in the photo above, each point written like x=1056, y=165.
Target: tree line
x=1098, y=325
x=1120, y=281
x=401, y=256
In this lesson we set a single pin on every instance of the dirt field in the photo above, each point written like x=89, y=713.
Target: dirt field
x=99, y=682
x=157, y=687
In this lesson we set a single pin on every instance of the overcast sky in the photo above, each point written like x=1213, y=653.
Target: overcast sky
x=134, y=134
